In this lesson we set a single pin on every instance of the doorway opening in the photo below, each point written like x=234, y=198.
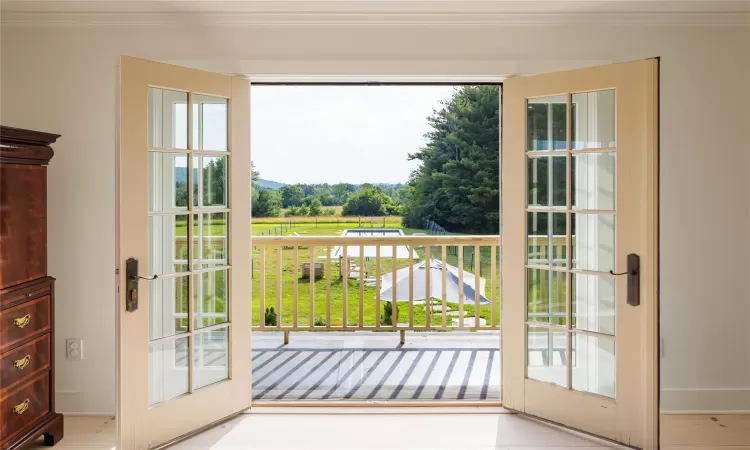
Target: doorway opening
x=376, y=256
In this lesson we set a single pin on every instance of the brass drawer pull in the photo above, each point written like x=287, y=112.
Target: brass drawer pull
x=22, y=321
x=21, y=407
x=22, y=363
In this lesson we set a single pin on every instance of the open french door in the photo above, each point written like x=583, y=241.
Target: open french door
x=184, y=248
x=580, y=249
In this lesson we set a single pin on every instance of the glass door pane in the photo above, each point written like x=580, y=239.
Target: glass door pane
x=188, y=242
x=571, y=237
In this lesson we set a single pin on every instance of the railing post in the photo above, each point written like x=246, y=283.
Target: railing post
x=329, y=275
x=344, y=286
x=295, y=285
x=477, y=284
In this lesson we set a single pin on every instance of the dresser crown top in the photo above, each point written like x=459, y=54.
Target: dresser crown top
x=25, y=146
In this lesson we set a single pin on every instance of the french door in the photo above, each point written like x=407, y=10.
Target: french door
x=580, y=249
x=184, y=246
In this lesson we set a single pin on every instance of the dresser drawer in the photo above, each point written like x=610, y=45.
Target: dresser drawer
x=24, y=406
x=24, y=361
x=23, y=321
x=26, y=292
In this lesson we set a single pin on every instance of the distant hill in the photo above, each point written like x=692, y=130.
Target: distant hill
x=181, y=177
x=180, y=174
x=269, y=184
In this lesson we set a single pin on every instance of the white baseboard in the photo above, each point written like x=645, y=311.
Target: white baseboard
x=77, y=403
x=705, y=401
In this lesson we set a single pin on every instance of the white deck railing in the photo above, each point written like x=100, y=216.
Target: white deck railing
x=278, y=261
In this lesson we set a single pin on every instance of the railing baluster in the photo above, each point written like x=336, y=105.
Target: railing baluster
x=445, y=287
x=477, y=285
x=493, y=285
x=394, y=301
x=344, y=286
x=460, y=286
x=279, y=261
x=411, y=289
x=377, y=286
x=295, y=284
x=311, y=274
x=328, y=286
x=428, y=286
x=262, y=283
x=361, y=286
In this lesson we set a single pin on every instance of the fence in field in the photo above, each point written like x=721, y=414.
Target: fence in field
x=361, y=221
x=284, y=227
x=289, y=254
x=434, y=228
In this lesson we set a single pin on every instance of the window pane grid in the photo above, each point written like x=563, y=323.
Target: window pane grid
x=595, y=137
x=188, y=189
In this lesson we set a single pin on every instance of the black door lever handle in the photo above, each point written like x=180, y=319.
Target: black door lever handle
x=612, y=272
x=634, y=279
x=138, y=277
x=131, y=287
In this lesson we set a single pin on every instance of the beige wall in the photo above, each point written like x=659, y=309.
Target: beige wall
x=63, y=79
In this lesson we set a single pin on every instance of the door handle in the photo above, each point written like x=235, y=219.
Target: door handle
x=138, y=277
x=131, y=286
x=634, y=279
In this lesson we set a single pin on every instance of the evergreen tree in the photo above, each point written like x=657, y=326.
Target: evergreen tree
x=457, y=183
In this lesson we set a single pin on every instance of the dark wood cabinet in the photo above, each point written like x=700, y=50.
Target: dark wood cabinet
x=27, y=296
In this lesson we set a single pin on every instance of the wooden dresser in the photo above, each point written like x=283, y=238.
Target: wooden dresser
x=27, y=296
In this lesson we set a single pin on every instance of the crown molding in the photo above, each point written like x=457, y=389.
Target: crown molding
x=280, y=13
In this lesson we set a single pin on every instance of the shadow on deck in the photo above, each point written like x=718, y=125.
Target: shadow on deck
x=367, y=366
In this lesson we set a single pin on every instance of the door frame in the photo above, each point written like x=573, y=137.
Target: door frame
x=422, y=80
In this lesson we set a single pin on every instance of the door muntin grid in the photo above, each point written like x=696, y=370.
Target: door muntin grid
x=570, y=296
x=189, y=237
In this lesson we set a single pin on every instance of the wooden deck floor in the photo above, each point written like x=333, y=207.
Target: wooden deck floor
x=367, y=366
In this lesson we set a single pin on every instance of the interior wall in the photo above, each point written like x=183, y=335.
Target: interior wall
x=63, y=79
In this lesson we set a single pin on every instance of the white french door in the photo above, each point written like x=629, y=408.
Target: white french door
x=184, y=216
x=580, y=197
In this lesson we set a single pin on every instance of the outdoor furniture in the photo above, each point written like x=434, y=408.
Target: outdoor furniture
x=306, y=270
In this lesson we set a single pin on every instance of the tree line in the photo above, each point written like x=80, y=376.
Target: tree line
x=311, y=199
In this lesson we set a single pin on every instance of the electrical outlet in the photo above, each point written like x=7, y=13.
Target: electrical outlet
x=74, y=349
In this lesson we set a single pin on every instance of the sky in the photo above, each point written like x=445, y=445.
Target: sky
x=332, y=134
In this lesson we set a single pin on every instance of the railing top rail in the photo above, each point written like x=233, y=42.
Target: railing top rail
x=377, y=240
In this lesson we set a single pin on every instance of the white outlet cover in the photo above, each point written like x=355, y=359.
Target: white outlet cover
x=74, y=349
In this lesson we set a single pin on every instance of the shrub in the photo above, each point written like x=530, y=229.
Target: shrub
x=315, y=208
x=320, y=322
x=386, y=318
x=270, y=319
